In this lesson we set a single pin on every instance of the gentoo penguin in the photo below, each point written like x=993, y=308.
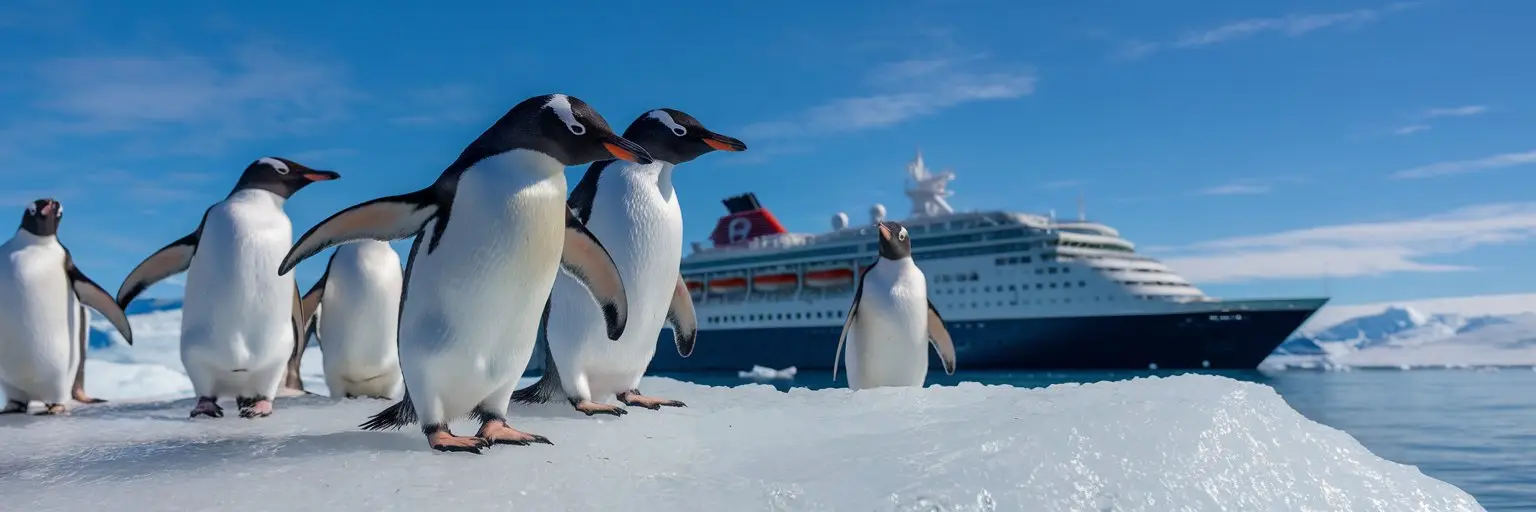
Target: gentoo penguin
x=241, y=327
x=491, y=233
x=891, y=319
x=353, y=310
x=632, y=208
x=84, y=330
x=41, y=318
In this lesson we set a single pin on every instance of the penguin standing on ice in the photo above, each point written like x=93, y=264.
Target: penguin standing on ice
x=892, y=321
x=354, y=310
x=242, y=331
x=41, y=315
x=490, y=235
x=632, y=208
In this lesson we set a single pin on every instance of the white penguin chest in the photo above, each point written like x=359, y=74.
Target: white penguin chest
x=636, y=217
x=893, y=308
x=35, y=297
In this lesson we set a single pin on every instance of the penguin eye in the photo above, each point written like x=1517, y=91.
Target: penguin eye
x=679, y=131
x=277, y=165
x=576, y=128
x=32, y=209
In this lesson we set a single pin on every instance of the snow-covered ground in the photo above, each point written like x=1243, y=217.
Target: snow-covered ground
x=1191, y=442
x=1494, y=330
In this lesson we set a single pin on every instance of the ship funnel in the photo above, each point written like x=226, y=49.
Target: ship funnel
x=877, y=213
x=839, y=221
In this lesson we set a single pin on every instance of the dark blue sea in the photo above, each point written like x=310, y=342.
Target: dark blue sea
x=1475, y=429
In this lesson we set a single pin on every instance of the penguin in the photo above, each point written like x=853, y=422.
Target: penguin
x=890, y=319
x=43, y=296
x=490, y=235
x=360, y=296
x=242, y=331
x=84, y=330
x=633, y=209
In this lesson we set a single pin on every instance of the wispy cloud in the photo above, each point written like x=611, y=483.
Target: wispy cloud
x=1061, y=184
x=1234, y=189
x=439, y=105
x=254, y=91
x=1361, y=249
x=1291, y=25
x=1487, y=163
x=907, y=90
x=1421, y=119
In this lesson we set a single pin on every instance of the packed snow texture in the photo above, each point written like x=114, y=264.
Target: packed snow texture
x=1190, y=442
x=1463, y=332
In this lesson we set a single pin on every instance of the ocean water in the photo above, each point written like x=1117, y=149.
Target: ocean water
x=1475, y=429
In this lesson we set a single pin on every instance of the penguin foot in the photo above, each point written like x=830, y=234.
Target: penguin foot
x=497, y=432
x=633, y=398
x=83, y=398
x=252, y=408
x=594, y=408
x=207, y=406
x=53, y=410
x=444, y=441
x=14, y=407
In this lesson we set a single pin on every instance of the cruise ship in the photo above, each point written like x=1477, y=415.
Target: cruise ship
x=1016, y=290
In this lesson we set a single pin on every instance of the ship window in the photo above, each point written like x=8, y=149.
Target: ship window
x=1052, y=270
x=1039, y=271
x=1067, y=284
x=1053, y=285
x=975, y=277
x=988, y=289
x=1013, y=303
x=1010, y=288
x=1066, y=270
x=1082, y=283
x=1039, y=286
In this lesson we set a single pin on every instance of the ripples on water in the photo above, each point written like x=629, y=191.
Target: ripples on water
x=1475, y=429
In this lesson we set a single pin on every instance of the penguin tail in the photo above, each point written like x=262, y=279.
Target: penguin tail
x=394, y=417
x=548, y=386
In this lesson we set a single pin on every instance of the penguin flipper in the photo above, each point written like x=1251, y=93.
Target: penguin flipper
x=94, y=297
x=683, y=319
x=848, y=322
x=170, y=260
x=939, y=337
x=585, y=259
x=309, y=304
x=385, y=219
x=291, y=379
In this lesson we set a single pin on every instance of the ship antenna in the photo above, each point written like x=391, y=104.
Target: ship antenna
x=1082, y=211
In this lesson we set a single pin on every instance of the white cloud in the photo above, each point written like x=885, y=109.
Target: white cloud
x=1468, y=110
x=255, y=91
x=1292, y=25
x=1466, y=166
x=1410, y=129
x=1234, y=189
x=1362, y=249
x=914, y=88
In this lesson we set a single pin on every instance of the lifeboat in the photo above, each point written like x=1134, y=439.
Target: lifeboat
x=728, y=285
x=695, y=286
x=829, y=278
x=773, y=282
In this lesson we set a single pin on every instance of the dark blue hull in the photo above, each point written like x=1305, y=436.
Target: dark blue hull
x=1169, y=341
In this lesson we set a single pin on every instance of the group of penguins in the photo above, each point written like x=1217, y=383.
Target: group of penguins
x=501, y=258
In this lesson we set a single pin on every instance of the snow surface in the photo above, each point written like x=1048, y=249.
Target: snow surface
x=1462, y=332
x=1191, y=442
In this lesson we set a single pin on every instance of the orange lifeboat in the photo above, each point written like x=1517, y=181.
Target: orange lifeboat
x=773, y=282
x=829, y=278
x=695, y=286
x=728, y=285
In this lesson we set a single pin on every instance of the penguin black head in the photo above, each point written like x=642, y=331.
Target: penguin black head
x=676, y=137
x=561, y=126
x=42, y=217
x=894, y=243
x=280, y=176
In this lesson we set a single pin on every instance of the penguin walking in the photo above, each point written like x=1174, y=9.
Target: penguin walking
x=892, y=321
x=42, y=318
x=632, y=208
x=242, y=331
x=353, y=311
x=490, y=235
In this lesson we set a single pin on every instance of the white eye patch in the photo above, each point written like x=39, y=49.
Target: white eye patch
x=903, y=233
x=32, y=209
x=561, y=104
x=666, y=119
x=275, y=164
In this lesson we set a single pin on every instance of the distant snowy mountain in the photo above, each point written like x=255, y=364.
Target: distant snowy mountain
x=1434, y=333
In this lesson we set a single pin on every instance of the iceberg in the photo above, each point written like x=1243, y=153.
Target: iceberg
x=1189, y=442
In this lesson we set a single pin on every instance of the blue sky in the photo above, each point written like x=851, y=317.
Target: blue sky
x=1372, y=150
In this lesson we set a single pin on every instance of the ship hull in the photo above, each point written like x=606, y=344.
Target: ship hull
x=1140, y=341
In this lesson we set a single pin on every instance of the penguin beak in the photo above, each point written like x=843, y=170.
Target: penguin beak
x=724, y=143
x=885, y=232
x=50, y=209
x=623, y=149
x=321, y=175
